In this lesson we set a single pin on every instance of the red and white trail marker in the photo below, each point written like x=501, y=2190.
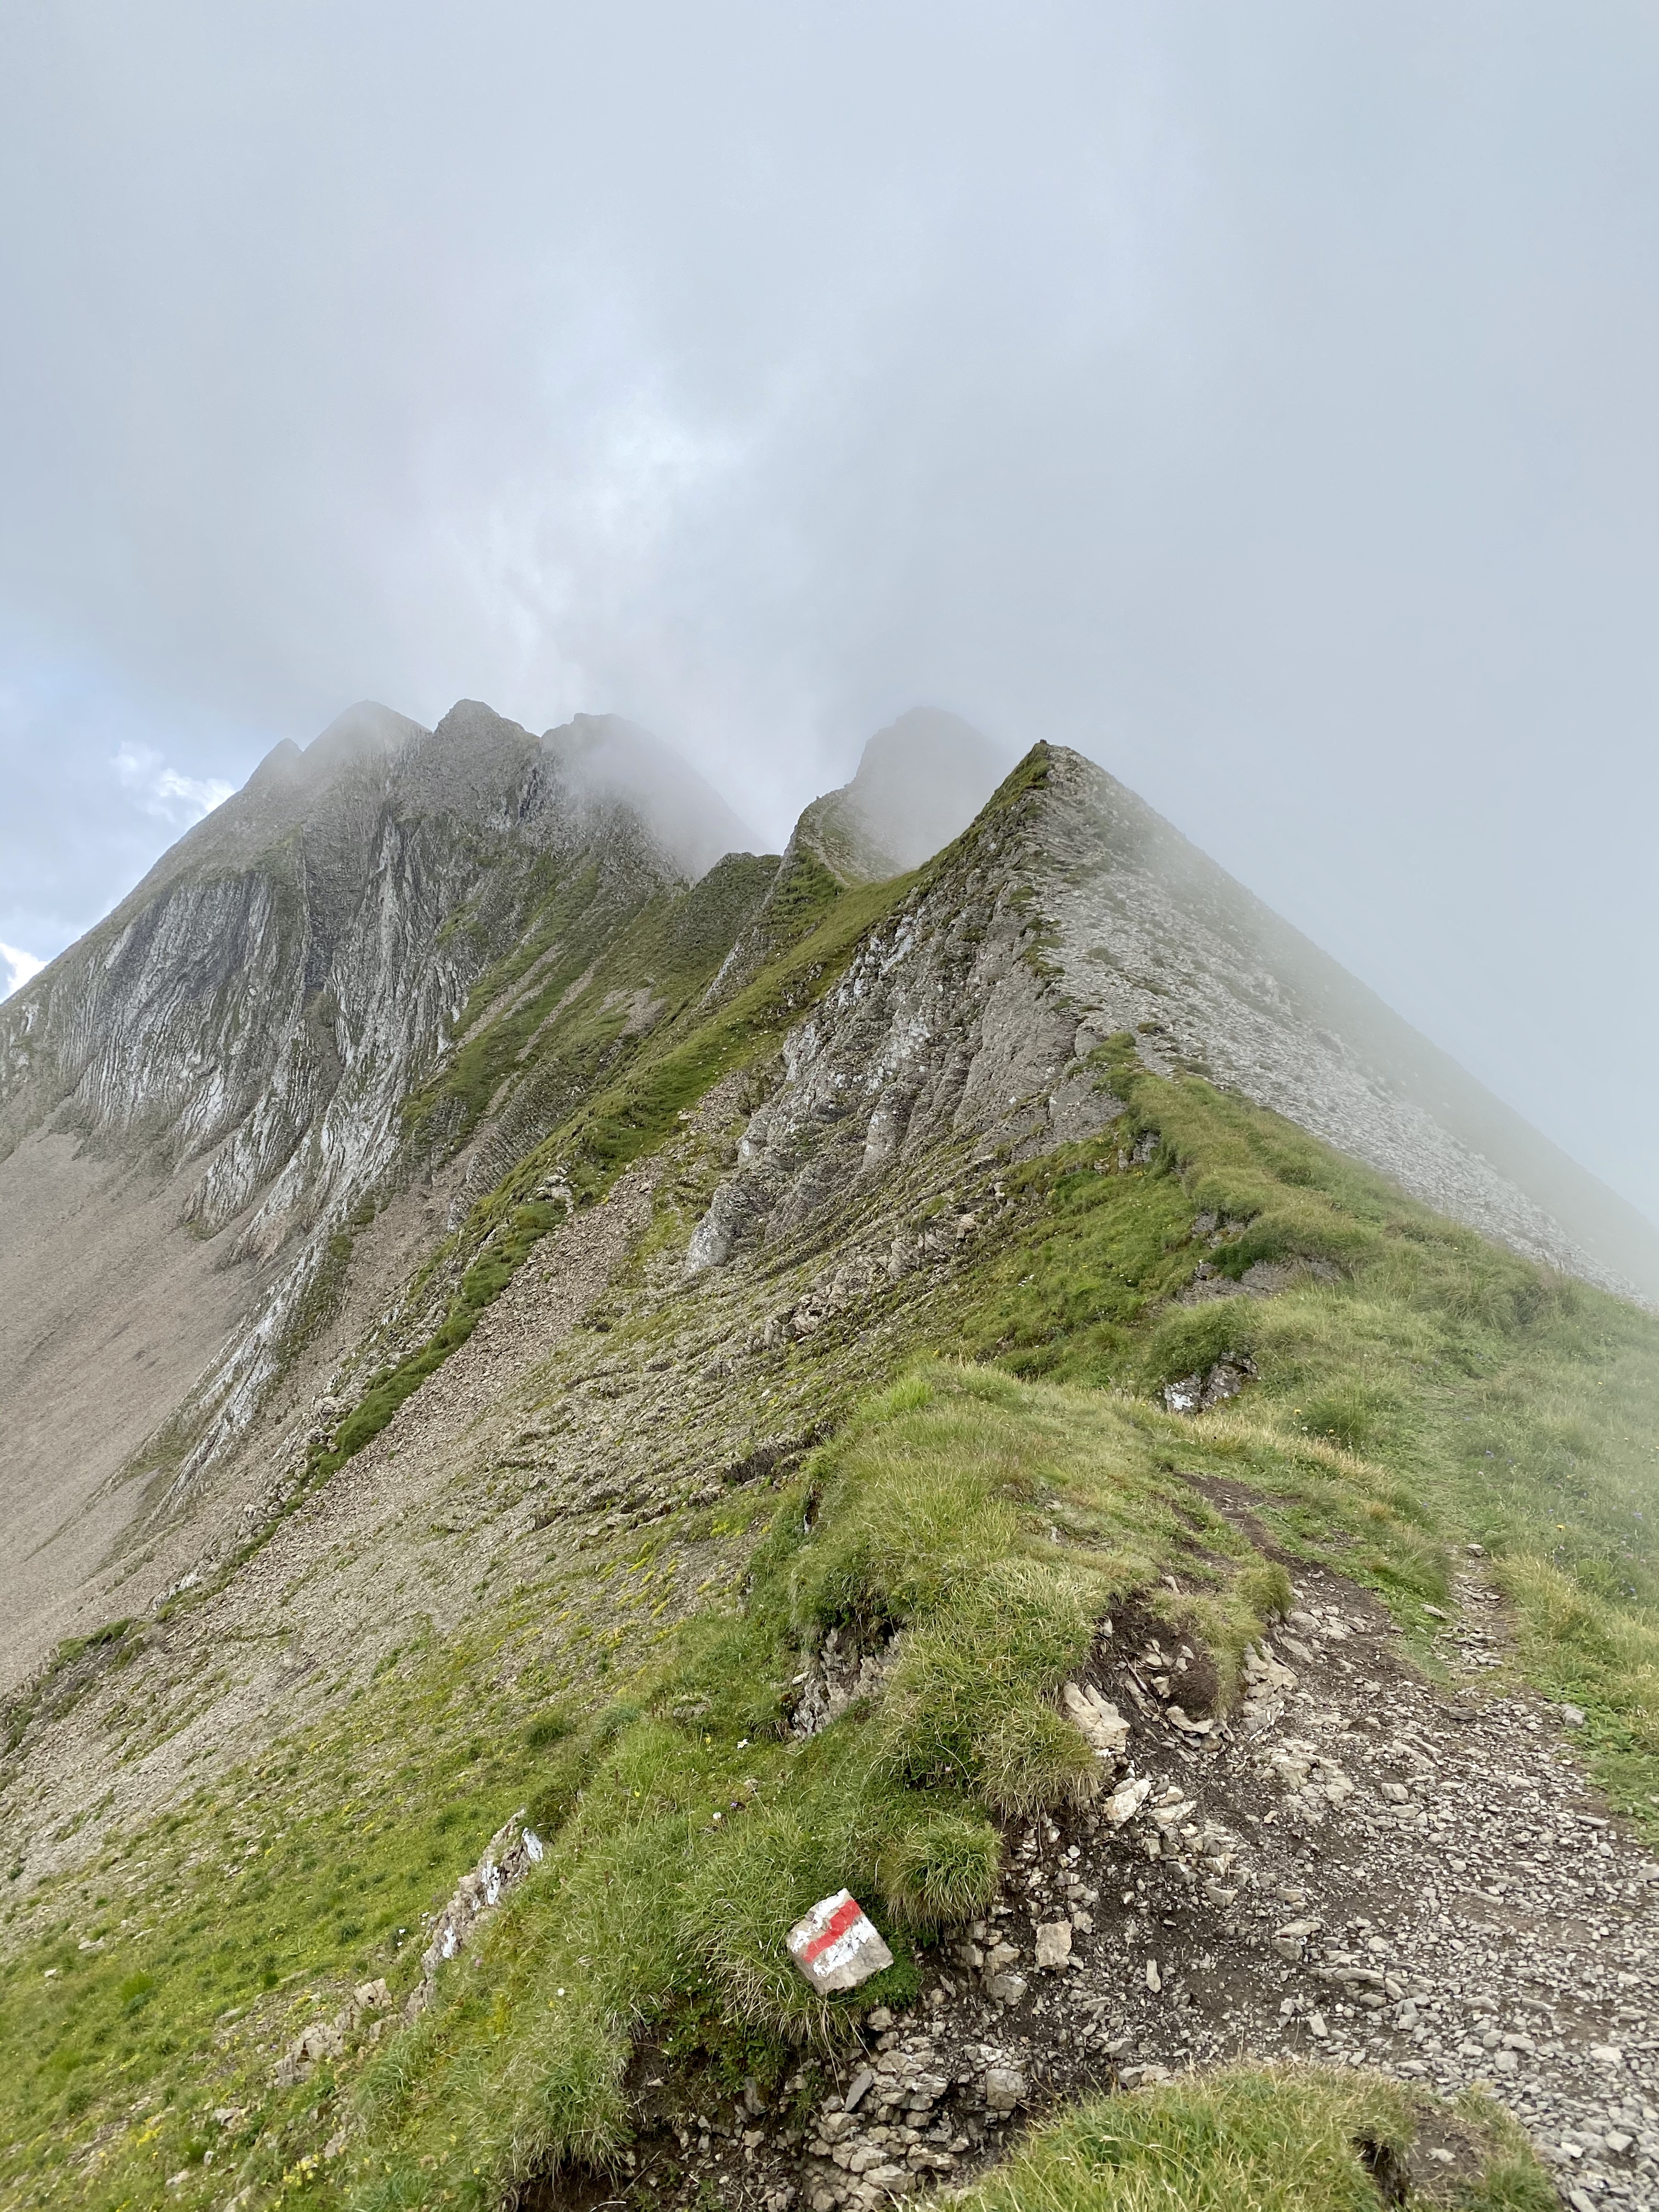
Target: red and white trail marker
x=836, y=1946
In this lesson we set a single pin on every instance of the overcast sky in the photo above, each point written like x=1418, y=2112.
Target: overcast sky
x=1261, y=399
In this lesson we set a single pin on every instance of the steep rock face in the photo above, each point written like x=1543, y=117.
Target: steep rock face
x=221, y=1069
x=944, y=1027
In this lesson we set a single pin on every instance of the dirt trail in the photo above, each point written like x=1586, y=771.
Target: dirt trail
x=1358, y=1869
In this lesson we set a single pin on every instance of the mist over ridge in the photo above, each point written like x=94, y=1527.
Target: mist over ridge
x=1250, y=408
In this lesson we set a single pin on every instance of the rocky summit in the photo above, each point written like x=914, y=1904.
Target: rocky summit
x=933, y=1515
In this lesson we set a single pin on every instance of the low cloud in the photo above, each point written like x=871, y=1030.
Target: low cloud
x=19, y=967
x=163, y=793
x=1260, y=400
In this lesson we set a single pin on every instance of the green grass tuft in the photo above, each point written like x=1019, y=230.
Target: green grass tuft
x=1247, y=2139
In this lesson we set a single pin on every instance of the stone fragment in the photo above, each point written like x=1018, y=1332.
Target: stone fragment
x=1054, y=1946
x=1004, y=2088
x=511, y=1853
x=1267, y=1682
x=1098, y=1720
x=1123, y=1804
x=1177, y=1714
x=1197, y=1393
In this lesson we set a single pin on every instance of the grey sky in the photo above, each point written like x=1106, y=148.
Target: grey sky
x=1261, y=399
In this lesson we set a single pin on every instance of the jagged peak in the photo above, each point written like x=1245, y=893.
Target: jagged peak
x=920, y=782
x=605, y=758
x=365, y=731
x=279, y=769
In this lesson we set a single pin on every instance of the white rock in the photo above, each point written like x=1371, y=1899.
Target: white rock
x=836, y=1945
x=1054, y=1946
x=1004, y=2087
x=1098, y=1720
x=1123, y=1804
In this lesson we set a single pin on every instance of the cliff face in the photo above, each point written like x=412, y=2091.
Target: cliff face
x=1152, y=936
x=950, y=1021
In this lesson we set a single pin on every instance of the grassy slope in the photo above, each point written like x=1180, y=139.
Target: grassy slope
x=1439, y=1391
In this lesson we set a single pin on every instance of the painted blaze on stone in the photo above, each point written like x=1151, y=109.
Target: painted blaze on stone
x=836, y=1946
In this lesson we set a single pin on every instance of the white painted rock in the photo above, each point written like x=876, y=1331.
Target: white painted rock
x=837, y=1945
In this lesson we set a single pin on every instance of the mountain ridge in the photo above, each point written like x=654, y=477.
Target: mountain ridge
x=799, y=1338
x=319, y=892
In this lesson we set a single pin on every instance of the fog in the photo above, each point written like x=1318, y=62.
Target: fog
x=1259, y=399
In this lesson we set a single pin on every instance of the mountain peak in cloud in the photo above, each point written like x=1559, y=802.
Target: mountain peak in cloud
x=602, y=756
x=920, y=781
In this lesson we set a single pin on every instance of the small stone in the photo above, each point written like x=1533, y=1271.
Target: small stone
x=1097, y=1719
x=1154, y=1979
x=1054, y=1946
x=1123, y=1804
x=1290, y=1941
x=1606, y=2054
x=1573, y=1716
x=1007, y=1989
x=1004, y=2087
x=862, y=2082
